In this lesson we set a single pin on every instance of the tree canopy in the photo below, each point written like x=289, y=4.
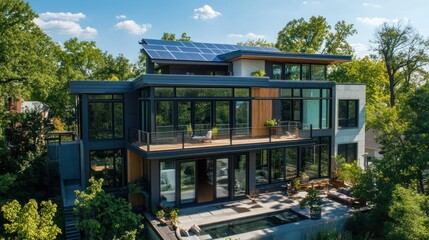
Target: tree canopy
x=260, y=42
x=315, y=36
x=404, y=52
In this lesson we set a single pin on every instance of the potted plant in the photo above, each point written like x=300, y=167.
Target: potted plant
x=215, y=132
x=296, y=185
x=174, y=218
x=258, y=73
x=272, y=125
x=313, y=201
x=160, y=216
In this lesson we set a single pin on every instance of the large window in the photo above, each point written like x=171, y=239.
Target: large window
x=296, y=71
x=164, y=116
x=348, y=151
x=168, y=183
x=309, y=106
x=348, y=113
x=240, y=184
x=106, y=116
x=261, y=173
x=109, y=165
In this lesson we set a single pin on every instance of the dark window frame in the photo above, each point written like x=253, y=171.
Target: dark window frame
x=124, y=167
x=347, y=121
x=269, y=69
x=349, y=156
x=112, y=101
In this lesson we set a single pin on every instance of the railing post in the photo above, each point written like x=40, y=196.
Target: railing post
x=148, y=141
x=311, y=130
x=183, y=139
x=269, y=133
x=230, y=136
x=139, y=138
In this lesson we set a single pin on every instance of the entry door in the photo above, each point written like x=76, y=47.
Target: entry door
x=187, y=182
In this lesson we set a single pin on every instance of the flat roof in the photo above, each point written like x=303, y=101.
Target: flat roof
x=160, y=51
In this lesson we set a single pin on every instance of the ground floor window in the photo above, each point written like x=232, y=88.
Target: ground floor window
x=168, y=182
x=276, y=165
x=109, y=165
x=348, y=151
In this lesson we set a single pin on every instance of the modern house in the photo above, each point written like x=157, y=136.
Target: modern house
x=193, y=129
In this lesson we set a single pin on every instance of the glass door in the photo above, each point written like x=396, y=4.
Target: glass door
x=202, y=117
x=240, y=184
x=187, y=182
x=222, y=178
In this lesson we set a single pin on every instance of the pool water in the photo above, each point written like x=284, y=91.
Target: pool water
x=233, y=227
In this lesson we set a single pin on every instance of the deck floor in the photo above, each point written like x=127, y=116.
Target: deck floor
x=215, y=143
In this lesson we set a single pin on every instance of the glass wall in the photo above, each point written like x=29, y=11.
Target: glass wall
x=222, y=178
x=222, y=116
x=164, y=116
x=292, y=71
x=187, y=182
x=312, y=105
x=296, y=71
x=184, y=114
x=168, y=183
x=261, y=173
x=106, y=116
x=291, y=161
x=242, y=115
x=109, y=165
x=203, y=116
x=277, y=166
x=240, y=183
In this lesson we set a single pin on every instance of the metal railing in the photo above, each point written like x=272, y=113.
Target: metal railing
x=182, y=139
x=62, y=137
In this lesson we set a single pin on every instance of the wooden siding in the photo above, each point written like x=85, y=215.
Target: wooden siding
x=262, y=110
x=135, y=166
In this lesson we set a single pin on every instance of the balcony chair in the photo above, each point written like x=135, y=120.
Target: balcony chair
x=207, y=137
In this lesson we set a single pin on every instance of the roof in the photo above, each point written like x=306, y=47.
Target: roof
x=177, y=51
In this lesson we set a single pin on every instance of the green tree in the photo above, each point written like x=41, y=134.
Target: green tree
x=314, y=36
x=408, y=216
x=30, y=222
x=184, y=38
x=104, y=216
x=260, y=42
x=403, y=51
x=372, y=74
x=172, y=37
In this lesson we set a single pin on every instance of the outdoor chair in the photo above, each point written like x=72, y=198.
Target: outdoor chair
x=207, y=137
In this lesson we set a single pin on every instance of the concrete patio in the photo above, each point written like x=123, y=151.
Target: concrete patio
x=334, y=215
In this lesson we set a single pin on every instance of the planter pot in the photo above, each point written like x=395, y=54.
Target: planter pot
x=162, y=221
x=315, y=214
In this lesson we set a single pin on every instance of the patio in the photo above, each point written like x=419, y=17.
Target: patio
x=334, y=215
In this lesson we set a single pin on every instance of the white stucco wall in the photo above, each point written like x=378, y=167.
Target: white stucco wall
x=243, y=68
x=351, y=135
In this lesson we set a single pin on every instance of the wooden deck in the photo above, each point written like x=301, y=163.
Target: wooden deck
x=215, y=143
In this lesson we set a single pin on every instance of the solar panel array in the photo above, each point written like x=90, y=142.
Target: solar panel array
x=193, y=51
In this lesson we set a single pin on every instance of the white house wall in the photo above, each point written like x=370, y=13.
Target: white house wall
x=244, y=67
x=351, y=135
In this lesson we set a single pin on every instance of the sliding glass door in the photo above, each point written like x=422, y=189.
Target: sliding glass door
x=187, y=182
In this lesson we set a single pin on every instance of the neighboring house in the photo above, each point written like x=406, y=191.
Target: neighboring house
x=372, y=147
x=20, y=106
x=145, y=129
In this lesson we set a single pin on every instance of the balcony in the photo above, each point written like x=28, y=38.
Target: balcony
x=180, y=140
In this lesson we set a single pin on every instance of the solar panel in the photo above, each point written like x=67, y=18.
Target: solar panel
x=193, y=51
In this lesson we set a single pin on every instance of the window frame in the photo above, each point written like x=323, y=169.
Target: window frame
x=355, y=123
x=347, y=145
x=123, y=174
x=112, y=101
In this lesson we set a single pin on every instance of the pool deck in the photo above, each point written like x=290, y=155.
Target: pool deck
x=333, y=214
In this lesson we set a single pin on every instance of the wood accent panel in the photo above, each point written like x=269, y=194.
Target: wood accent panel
x=262, y=110
x=135, y=166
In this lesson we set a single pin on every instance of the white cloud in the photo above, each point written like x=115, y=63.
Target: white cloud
x=249, y=35
x=314, y=3
x=360, y=49
x=376, y=21
x=371, y=5
x=68, y=16
x=64, y=24
x=121, y=17
x=205, y=13
x=132, y=27
x=304, y=2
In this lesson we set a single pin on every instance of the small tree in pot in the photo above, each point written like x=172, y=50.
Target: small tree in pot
x=313, y=202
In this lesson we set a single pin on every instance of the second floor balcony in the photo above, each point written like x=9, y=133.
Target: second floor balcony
x=188, y=139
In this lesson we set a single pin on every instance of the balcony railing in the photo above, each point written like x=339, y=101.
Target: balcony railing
x=176, y=140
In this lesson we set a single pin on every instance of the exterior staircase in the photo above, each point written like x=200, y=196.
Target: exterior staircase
x=71, y=232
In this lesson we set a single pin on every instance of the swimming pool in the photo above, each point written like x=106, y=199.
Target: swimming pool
x=233, y=227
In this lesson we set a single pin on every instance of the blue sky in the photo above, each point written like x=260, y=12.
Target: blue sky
x=117, y=26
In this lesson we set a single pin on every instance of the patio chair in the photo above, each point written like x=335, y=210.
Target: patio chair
x=207, y=137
